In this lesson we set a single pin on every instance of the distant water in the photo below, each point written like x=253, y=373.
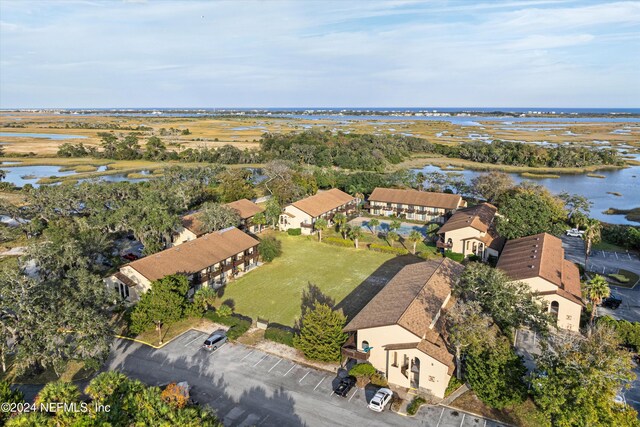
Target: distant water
x=624, y=181
x=40, y=135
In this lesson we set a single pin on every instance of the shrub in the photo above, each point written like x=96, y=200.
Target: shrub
x=363, y=370
x=175, y=396
x=454, y=256
x=279, y=334
x=415, y=404
x=224, y=311
x=321, y=336
x=238, y=325
x=338, y=242
x=388, y=249
x=454, y=384
x=270, y=248
x=294, y=231
x=379, y=380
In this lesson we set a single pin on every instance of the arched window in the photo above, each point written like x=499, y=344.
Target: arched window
x=554, y=308
x=365, y=345
x=449, y=242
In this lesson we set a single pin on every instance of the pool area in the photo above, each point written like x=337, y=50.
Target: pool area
x=405, y=229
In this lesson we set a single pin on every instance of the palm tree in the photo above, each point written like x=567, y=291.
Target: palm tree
x=355, y=233
x=591, y=236
x=415, y=237
x=432, y=230
x=595, y=290
x=373, y=223
x=392, y=236
x=395, y=225
x=341, y=222
x=321, y=225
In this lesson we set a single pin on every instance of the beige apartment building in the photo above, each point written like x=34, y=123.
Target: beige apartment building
x=398, y=331
x=471, y=231
x=191, y=227
x=415, y=205
x=325, y=204
x=539, y=262
x=210, y=260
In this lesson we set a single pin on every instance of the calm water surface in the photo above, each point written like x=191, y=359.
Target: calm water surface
x=623, y=181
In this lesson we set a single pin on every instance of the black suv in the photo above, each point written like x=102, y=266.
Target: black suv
x=612, y=301
x=344, y=386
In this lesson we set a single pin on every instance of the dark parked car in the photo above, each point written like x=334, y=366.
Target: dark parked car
x=612, y=301
x=215, y=340
x=345, y=384
x=130, y=257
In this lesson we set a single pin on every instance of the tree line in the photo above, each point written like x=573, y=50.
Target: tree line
x=347, y=151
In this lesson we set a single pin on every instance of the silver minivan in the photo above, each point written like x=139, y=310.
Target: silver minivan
x=215, y=340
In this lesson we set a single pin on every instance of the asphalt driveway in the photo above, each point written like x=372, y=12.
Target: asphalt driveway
x=249, y=387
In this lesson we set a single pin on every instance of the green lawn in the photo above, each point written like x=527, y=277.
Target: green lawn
x=606, y=246
x=274, y=290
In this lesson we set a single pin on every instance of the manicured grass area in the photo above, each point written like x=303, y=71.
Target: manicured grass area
x=274, y=290
x=73, y=371
x=624, y=279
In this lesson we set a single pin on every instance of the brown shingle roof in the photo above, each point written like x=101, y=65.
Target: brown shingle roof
x=323, y=202
x=416, y=198
x=192, y=223
x=411, y=299
x=196, y=255
x=479, y=217
x=540, y=255
x=124, y=279
x=245, y=208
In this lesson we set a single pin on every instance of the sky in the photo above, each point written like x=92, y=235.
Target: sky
x=316, y=53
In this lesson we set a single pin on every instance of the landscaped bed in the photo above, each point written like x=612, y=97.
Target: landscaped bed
x=274, y=290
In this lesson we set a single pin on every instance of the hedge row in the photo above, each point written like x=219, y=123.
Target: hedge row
x=294, y=231
x=280, y=335
x=388, y=249
x=339, y=242
x=238, y=325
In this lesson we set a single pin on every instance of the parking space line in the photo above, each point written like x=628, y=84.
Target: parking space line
x=320, y=382
x=354, y=393
x=616, y=253
x=305, y=376
x=462, y=422
x=485, y=423
x=250, y=353
x=275, y=365
x=191, y=341
x=440, y=419
x=263, y=357
x=265, y=419
x=293, y=366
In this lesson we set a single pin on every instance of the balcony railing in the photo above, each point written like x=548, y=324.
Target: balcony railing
x=353, y=353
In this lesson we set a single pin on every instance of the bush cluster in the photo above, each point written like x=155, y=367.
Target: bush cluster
x=294, y=231
x=415, y=404
x=280, y=335
x=338, y=242
x=388, y=249
x=238, y=325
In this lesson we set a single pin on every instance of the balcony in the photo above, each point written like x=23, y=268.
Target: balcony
x=351, y=352
x=306, y=225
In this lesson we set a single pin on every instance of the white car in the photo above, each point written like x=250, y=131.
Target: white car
x=574, y=232
x=380, y=400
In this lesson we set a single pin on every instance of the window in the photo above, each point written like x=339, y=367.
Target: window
x=395, y=359
x=365, y=346
x=554, y=308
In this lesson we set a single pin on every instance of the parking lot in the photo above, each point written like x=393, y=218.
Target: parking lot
x=249, y=387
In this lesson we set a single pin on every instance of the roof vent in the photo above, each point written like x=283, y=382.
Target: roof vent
x=533, y=256
x=531, y=266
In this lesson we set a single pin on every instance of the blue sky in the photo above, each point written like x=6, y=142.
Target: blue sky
x=510, y=53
